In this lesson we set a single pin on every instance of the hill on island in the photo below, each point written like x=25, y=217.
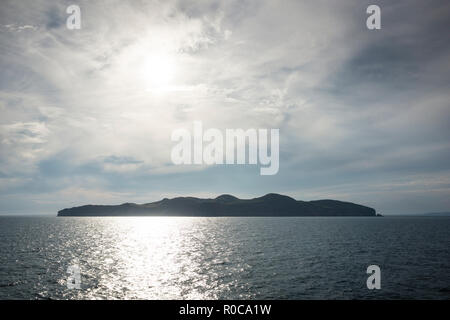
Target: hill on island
x=226, y=206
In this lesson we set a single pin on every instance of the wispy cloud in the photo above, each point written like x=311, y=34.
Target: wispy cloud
x=363, y=115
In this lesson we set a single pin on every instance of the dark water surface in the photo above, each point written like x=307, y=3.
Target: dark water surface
x=224, y=258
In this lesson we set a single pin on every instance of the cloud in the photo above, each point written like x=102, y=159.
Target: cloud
x=93, y=109
x=18, y=28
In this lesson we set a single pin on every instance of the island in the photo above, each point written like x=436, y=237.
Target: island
x=270, y=205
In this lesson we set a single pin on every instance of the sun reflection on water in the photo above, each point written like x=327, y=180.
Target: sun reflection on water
x=156, y=258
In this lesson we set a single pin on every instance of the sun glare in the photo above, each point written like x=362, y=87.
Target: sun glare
x=158, y=72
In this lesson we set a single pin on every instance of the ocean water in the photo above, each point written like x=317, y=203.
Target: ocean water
x=224, y=258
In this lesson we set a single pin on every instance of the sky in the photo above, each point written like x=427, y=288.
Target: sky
x=86, y=115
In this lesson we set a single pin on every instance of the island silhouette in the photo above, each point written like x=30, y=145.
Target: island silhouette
x=271, y=204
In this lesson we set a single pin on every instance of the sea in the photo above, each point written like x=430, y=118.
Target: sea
x=224, y=257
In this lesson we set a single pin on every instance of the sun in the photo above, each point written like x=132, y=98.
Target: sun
x=157, y=72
